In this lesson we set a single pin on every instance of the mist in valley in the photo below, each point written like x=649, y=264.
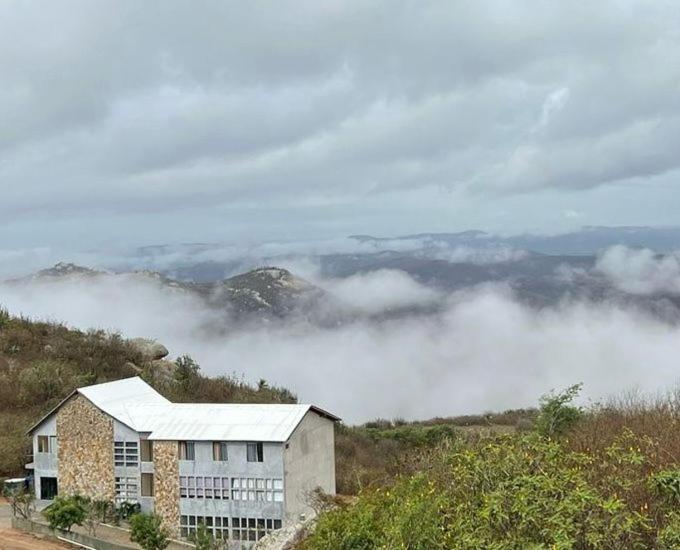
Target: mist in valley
x=475, y=350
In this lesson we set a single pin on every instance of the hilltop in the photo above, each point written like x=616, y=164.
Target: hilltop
x=260, y=294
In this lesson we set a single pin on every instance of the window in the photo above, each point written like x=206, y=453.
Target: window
x=204, y=487
x=254, y=452
x=252, y=529
x=219, y=451
x=146, y=450
x=53, y=444
x=126, y=488
x=126, y=453
x=43, y=444
x=217, y=526
x=147, y=485
x=187, y=450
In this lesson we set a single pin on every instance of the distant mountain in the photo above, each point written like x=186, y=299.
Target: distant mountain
x=267, y=292
x=586, y=241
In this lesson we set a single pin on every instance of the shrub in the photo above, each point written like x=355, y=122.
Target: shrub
x=666, y=484
x=203, y=539
x=21, y=502
x=556, y=415
x=669, y=536
x=65, y=512
x=518, y=491
x=126, y=510
x=147, y=530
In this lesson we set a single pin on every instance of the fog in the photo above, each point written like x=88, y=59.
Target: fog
x=485, y=352
x=641, y=270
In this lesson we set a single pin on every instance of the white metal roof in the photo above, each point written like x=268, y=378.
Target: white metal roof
x=114, y=398
x=227, y=422
x=137, y=405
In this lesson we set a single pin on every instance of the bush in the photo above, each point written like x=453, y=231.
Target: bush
x=203, y=539
x=65, y=512
x=666, y=484
x=21, y=502
x=126, y=510
x=669, y=536
x=556, y=415
x=147, y=530
x=516, y=491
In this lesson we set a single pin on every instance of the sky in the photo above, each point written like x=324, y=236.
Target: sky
x=133, y=123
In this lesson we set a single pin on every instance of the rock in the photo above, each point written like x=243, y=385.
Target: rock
x=150, y=349
x=287, y=538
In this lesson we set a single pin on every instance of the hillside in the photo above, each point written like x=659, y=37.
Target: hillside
x=598, y=478
x=41, y=363
x=259, y=294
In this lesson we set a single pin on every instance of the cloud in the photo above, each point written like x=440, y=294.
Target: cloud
x=380, y=291
x=485, y=351
x=641, y=271
x=135, y=116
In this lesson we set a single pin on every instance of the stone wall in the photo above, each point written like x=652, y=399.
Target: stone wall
x=85, y=450
x=166, y=483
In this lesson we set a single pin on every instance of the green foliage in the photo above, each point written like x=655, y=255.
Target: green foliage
x=666, y=484
x=147, y=530
x=125, y=510
x=669, y=536
x=65, y=512
x=518, y=491
x=556, y=415
x=406, y=516
x=203, y=539
x=186, y=372
x=414, y=435
x=4, y=317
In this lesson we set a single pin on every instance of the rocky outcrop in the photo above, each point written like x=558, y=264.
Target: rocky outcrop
x=150, y=349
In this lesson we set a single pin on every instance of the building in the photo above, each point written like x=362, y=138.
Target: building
x=240, y=469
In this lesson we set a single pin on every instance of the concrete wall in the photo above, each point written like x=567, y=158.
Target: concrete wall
x=45, y=464
x=237, y=465
x=309, y=462
x=80, y=539
x=85, y=449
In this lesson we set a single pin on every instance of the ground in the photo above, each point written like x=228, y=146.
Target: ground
x=11, y=539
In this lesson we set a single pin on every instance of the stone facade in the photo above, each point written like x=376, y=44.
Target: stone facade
x=85, y=450
x=166, y=483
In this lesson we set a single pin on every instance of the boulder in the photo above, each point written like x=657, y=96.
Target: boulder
x=150, y=349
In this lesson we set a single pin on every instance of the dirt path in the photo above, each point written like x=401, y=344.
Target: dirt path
x=10, y=539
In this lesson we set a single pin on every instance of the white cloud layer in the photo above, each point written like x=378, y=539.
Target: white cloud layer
x=485, y=352
x=641, y=270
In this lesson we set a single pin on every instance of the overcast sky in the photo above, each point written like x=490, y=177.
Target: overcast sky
x=144, y=122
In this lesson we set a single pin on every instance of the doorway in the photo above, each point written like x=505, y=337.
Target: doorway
x=48, y=488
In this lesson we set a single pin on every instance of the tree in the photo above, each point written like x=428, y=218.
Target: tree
x=556, y=415
x=147, y=530
x=186, y=372
x=65, y=512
